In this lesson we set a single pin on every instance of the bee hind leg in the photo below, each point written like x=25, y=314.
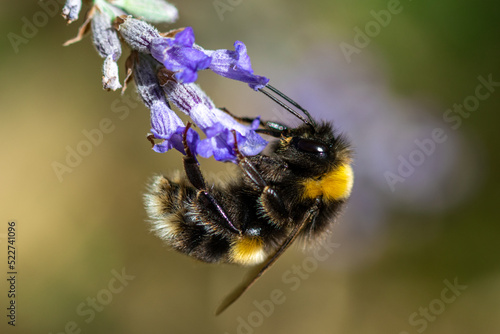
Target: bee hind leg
x=196, y=178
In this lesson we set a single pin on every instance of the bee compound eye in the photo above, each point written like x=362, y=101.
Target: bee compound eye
x=311, y=146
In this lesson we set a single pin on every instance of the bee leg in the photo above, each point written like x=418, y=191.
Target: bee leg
x=194, y=175
x=248, y=120
x=273, y=129
x=271, y=201
x=269, y=128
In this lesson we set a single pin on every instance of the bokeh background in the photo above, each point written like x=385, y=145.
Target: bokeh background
x=395, y=247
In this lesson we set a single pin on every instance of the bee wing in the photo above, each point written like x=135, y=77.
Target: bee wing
x=259, y=271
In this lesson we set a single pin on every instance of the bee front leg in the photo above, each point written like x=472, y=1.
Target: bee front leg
x=269, y=128
x=194, y=175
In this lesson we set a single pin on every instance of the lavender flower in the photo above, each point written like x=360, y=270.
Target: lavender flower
x=181, y=55
x=165, y=124
x=236, y=65
x=175, y=59
x=178, y=55
x=220, y=142
x=136, y=33
x=215, y=123
x=107, y=44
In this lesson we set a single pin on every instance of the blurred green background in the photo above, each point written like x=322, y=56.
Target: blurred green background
x=395, y=248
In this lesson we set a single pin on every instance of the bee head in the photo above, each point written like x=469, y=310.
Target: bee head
x=313, y=151
x=321, y=159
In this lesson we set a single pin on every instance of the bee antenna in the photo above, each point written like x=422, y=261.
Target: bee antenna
x=309, y=121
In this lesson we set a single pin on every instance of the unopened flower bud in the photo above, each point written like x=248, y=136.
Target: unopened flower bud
x=136, y=33
x=107, y=44
x=110, y=79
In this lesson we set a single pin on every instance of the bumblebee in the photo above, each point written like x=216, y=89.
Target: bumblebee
x=295, y=191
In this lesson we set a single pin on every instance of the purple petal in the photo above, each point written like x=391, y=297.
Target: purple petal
x=254, y=144
x=236, y=65
x=214, y=130
x=164, y=122
x=220, y=145
x=185, y=38
x=215, y=123
x=178, y=55
x=175, y=141
x=255, y=124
